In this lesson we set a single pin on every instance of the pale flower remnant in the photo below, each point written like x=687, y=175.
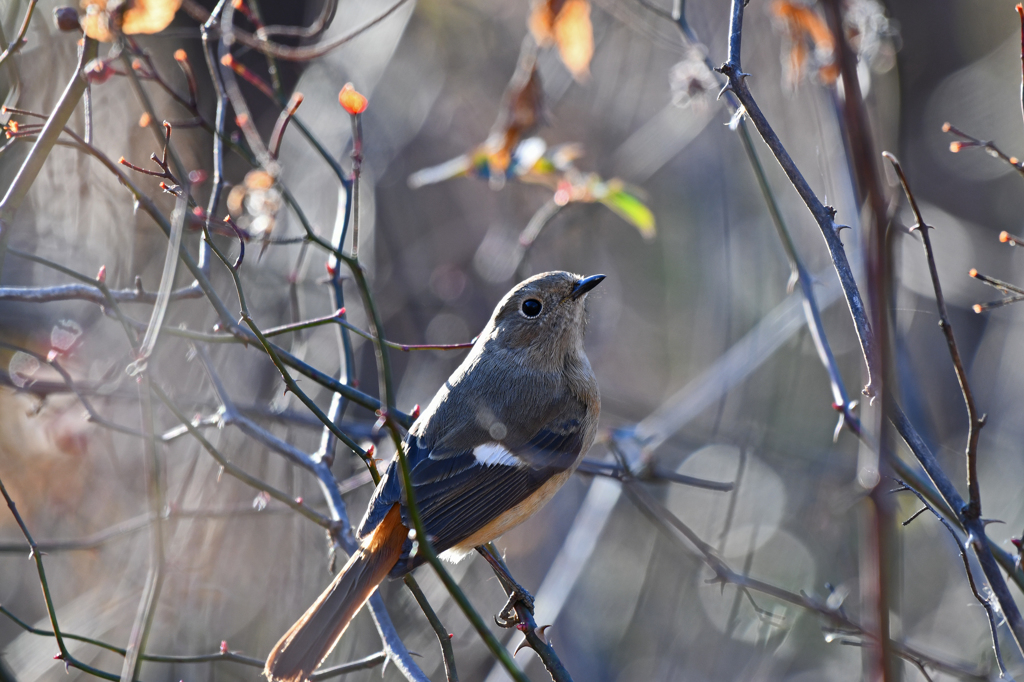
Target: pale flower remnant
x=691, y=81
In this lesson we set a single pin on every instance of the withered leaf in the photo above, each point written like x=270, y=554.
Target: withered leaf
x=102, y=19
x=566, y=24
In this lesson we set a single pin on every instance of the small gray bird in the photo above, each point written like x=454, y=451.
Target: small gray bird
x=497, y=441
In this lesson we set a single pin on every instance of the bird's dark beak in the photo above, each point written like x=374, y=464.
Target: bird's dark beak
x=585, y=285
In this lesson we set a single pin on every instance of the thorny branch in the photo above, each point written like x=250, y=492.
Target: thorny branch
x=799, y=275
x=990, y=609
x=342, y=386
x=824, y=216
x=680, y=533
x=297, y=54
x=975, y=420
x=19, y=40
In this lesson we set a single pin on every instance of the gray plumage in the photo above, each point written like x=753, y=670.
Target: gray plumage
x=496, y=442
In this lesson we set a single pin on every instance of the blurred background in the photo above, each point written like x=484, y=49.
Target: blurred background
x=625, y=603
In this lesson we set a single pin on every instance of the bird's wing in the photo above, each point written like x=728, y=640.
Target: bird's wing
x=459, y=491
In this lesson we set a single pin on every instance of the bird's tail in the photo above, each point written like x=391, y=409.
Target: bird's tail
x=307, y=643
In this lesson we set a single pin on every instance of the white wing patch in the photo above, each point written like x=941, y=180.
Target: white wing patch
x=490, y=454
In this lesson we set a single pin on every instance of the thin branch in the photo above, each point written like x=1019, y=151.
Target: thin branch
x=444, y=638
x=19, y=40
x=33, y=163
x=141, y=628
x=1020, y=13
x=327, y=12
x=282, y=123
x=223, y=655
x=51, y=611
x=975, y=420
x=799, y=274
x=533, y=636
x=235, y=471
x=295, y=54
x=1005, y=287
x=93, y=294
x=968, y=141
x=675, y=529
x=990, y=610
x=823, y=215
x=651, y=473
x=242, y=116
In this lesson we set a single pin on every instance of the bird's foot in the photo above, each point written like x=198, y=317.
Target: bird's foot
x=507, y=617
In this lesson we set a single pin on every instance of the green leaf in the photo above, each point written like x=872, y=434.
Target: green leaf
x=632, y=210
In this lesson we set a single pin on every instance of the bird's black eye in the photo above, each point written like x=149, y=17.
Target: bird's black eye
x=531, y=307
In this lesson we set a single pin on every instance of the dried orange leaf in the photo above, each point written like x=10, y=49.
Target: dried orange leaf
x=130, y=17
x=808, y=39
x=566, y=24
x=542, y=21
x=574, y=36
x=149, y=16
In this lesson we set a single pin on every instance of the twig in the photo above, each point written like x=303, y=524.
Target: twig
x=990, y=610
x=242, y=116
x=218, y=136
x=37, y=556
x=327, y=12
x=223, y=655
x=282, y=123
x=533, y=636
x=443, y=636
x=32, y=164
x=674, y=528
x=235, y=471
x=798, y=271
x=356, y=118
x=19, y=40
x=651, y=472
x=1005, y=287
x=989, y=146
x=143, y=624
x=823, y=215
x=90, y=293
x=975, y=420
x=296, y=54
x=422, y=544
x=1020, y=13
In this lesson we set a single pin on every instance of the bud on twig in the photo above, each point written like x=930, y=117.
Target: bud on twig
x=351, y=100
x=66, y=19
x=98, y=72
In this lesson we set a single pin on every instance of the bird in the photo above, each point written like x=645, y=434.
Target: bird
x=496, y=442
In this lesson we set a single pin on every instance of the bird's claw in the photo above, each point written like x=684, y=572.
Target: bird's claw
x=507, y=617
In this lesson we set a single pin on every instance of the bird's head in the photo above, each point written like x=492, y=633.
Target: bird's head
x=543, y=317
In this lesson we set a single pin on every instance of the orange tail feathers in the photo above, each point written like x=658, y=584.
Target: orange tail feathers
x=307, y=643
